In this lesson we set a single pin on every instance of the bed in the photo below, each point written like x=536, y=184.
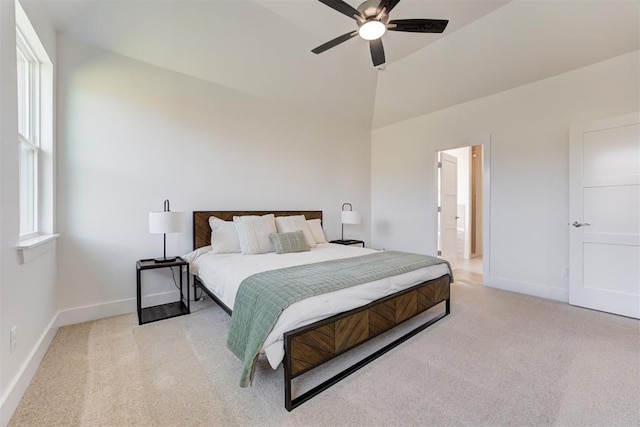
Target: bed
x=335, y=322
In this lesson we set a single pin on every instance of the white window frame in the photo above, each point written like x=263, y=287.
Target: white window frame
x=39, y=138
x=29, y=140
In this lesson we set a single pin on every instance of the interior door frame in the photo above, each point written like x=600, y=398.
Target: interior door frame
x=485, y=141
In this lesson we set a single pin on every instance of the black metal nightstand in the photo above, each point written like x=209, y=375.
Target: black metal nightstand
x=348, y=242
x=162, y=311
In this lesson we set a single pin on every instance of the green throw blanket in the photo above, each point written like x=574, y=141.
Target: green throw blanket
x=262, y=297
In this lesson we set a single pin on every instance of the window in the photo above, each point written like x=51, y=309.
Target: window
x=35, y=143
x=28, y=79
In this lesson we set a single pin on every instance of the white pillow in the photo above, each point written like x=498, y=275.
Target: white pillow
x=315, y=225
x=224, y=238
x=289, y=224
x=253, y=233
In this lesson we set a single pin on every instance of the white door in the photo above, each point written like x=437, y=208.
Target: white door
x=605, y=216
x=448, y=206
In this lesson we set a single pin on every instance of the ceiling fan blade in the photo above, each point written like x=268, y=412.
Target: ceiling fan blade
x=377, y=52
x=388, y=5
x=418, y=25
x=341, y=7
x=335, y=42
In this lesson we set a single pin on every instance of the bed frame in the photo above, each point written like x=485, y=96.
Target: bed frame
x=310, y=346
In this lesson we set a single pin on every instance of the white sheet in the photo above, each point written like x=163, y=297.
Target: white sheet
x=223, y=273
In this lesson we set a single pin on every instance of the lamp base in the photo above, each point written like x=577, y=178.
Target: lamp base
x=161, y=260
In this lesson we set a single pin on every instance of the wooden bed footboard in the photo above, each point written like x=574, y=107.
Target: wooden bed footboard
x=310, y=346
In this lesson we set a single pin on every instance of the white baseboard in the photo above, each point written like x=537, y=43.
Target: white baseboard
x=9, y=402
x=88, y=313
x=534, y=289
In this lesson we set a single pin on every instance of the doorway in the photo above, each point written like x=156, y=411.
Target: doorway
x=460, y=210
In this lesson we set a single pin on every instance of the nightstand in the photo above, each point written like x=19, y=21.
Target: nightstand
x=348, y=242
x=162, y=311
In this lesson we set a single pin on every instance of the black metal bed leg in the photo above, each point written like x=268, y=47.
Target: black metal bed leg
x=288, y=404
x=448, y=306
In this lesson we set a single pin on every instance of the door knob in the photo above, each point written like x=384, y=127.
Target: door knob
x=579, y=224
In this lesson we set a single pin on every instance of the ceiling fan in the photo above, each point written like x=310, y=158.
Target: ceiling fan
x=372, y=18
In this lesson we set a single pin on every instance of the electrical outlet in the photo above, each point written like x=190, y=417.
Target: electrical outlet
x=14, y=338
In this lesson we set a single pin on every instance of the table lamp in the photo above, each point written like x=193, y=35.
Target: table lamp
x=166, y=222
x=348, y=217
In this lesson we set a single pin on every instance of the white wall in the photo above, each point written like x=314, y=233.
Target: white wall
x=132, y=134
x=529, y=131
x=27, y=291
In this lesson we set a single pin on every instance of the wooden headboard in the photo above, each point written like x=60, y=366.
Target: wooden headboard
x=202, y=230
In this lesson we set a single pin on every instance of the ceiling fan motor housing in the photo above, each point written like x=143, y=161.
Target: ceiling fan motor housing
x=369, y=12
x=369, y=8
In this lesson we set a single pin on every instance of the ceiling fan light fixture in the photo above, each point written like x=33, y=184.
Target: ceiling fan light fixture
x=372, y=18
x=372, y=30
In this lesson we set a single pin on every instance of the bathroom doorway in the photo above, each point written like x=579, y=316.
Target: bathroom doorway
x=460, y=210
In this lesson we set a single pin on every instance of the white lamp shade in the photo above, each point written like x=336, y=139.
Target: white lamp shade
x=350, y=217
x=166, y=222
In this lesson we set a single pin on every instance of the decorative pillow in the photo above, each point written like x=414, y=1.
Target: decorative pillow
x=287, y=224
x=224, y=238
x=285, y=243
x=253, y=233
x=315, y=225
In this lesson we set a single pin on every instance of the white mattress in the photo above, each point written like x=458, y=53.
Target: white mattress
x=223, y=273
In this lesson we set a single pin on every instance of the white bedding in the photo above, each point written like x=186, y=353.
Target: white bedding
x=223, y=273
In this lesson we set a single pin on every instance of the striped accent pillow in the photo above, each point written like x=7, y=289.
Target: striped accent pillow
x=253, y=233
x=285, y=243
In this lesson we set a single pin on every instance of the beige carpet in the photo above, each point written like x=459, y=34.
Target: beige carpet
x=499, y=359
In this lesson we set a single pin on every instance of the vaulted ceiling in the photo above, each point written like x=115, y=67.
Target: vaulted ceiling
x=262, y=47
